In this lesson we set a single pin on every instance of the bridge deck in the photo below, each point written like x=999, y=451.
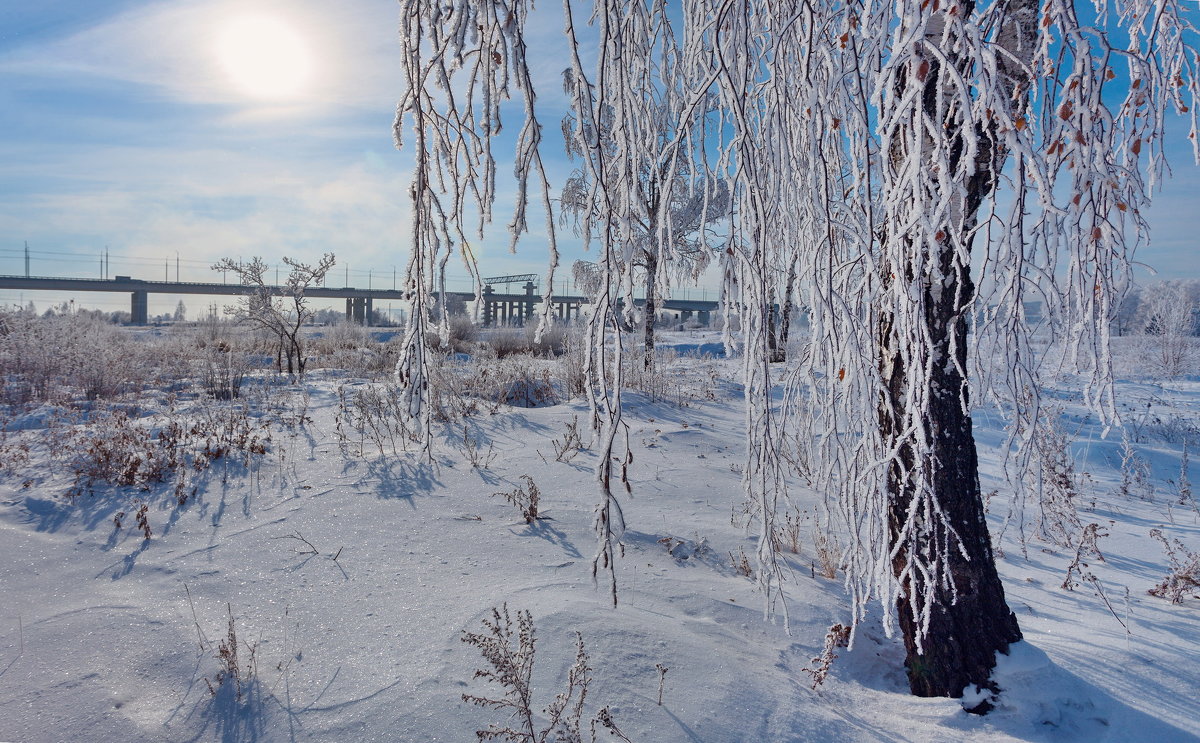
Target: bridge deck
x=125, y=284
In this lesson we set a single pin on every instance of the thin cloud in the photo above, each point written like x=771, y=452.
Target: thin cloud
x=172, y=47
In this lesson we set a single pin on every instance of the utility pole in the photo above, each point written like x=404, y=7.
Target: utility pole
x=26, y=259
x=176, y=266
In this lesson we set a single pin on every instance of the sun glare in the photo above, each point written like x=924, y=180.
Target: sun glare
x=265, y=57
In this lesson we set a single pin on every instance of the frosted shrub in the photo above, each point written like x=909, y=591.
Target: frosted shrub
x=1184, y=577
x=554, y=341
x=1058, y=517
x=350, y=346
x=462, y=338
x=787, y=532
x=458, y=384
x=59, y=357
x=340, y=336
x=512, y=380
x=449, y=396
x=828, y=552
x=222, y=371
x=509, y=654
x=371, y=414
x=114, y=449
x=572, y=365
x=14, y=452
x=838, y=636
x=504, y=342
x=508, y=341
x=655, y=380
x=1135, y=473
x=526, y=498
x=1170, y=323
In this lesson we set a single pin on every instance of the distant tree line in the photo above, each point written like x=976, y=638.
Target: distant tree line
x=1160, y=308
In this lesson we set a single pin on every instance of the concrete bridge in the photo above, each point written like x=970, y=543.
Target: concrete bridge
x=498, y=308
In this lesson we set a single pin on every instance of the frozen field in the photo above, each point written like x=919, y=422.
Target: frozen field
x=353, y=572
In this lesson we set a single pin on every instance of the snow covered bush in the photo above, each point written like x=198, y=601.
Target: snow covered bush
x=113, y=448
x=522, y=381
x=237, y=664
x=461, y=335
x=223, y=369
x=59, y=357
x=507, y=341
x=348, y=346
x=838, y=636
x=787, y=532
x=504, y=342
x=1184, y=577
x=526, y=498
x=370, y=413
x=1058, y=489
x=510, y=655
x=1170, y=313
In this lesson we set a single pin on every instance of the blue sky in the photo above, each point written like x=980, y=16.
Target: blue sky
x=125, y=125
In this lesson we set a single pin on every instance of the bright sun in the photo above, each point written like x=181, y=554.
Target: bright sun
x=265, y=57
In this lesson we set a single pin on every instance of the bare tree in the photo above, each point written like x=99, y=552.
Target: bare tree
x=671, y=208
x=1170, y=315
x=282, y=310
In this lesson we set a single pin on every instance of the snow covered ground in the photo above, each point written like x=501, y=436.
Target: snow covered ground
x=354, y=578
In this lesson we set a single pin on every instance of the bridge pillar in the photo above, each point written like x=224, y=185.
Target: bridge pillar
x=528, y=314
x=138, y=314
x=704, y=316
x=489, y=307
x=357, y=309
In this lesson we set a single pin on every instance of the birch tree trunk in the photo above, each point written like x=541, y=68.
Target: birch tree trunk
x=953, y=617
x=650, y=309
x=969, y=621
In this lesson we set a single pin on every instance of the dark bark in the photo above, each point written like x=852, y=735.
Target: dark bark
x=969, y=621
x=779, y=321
x=650, y=310
x=776, y=352
x=785, y=322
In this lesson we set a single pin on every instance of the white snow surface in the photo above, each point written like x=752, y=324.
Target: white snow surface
x=98, y=640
